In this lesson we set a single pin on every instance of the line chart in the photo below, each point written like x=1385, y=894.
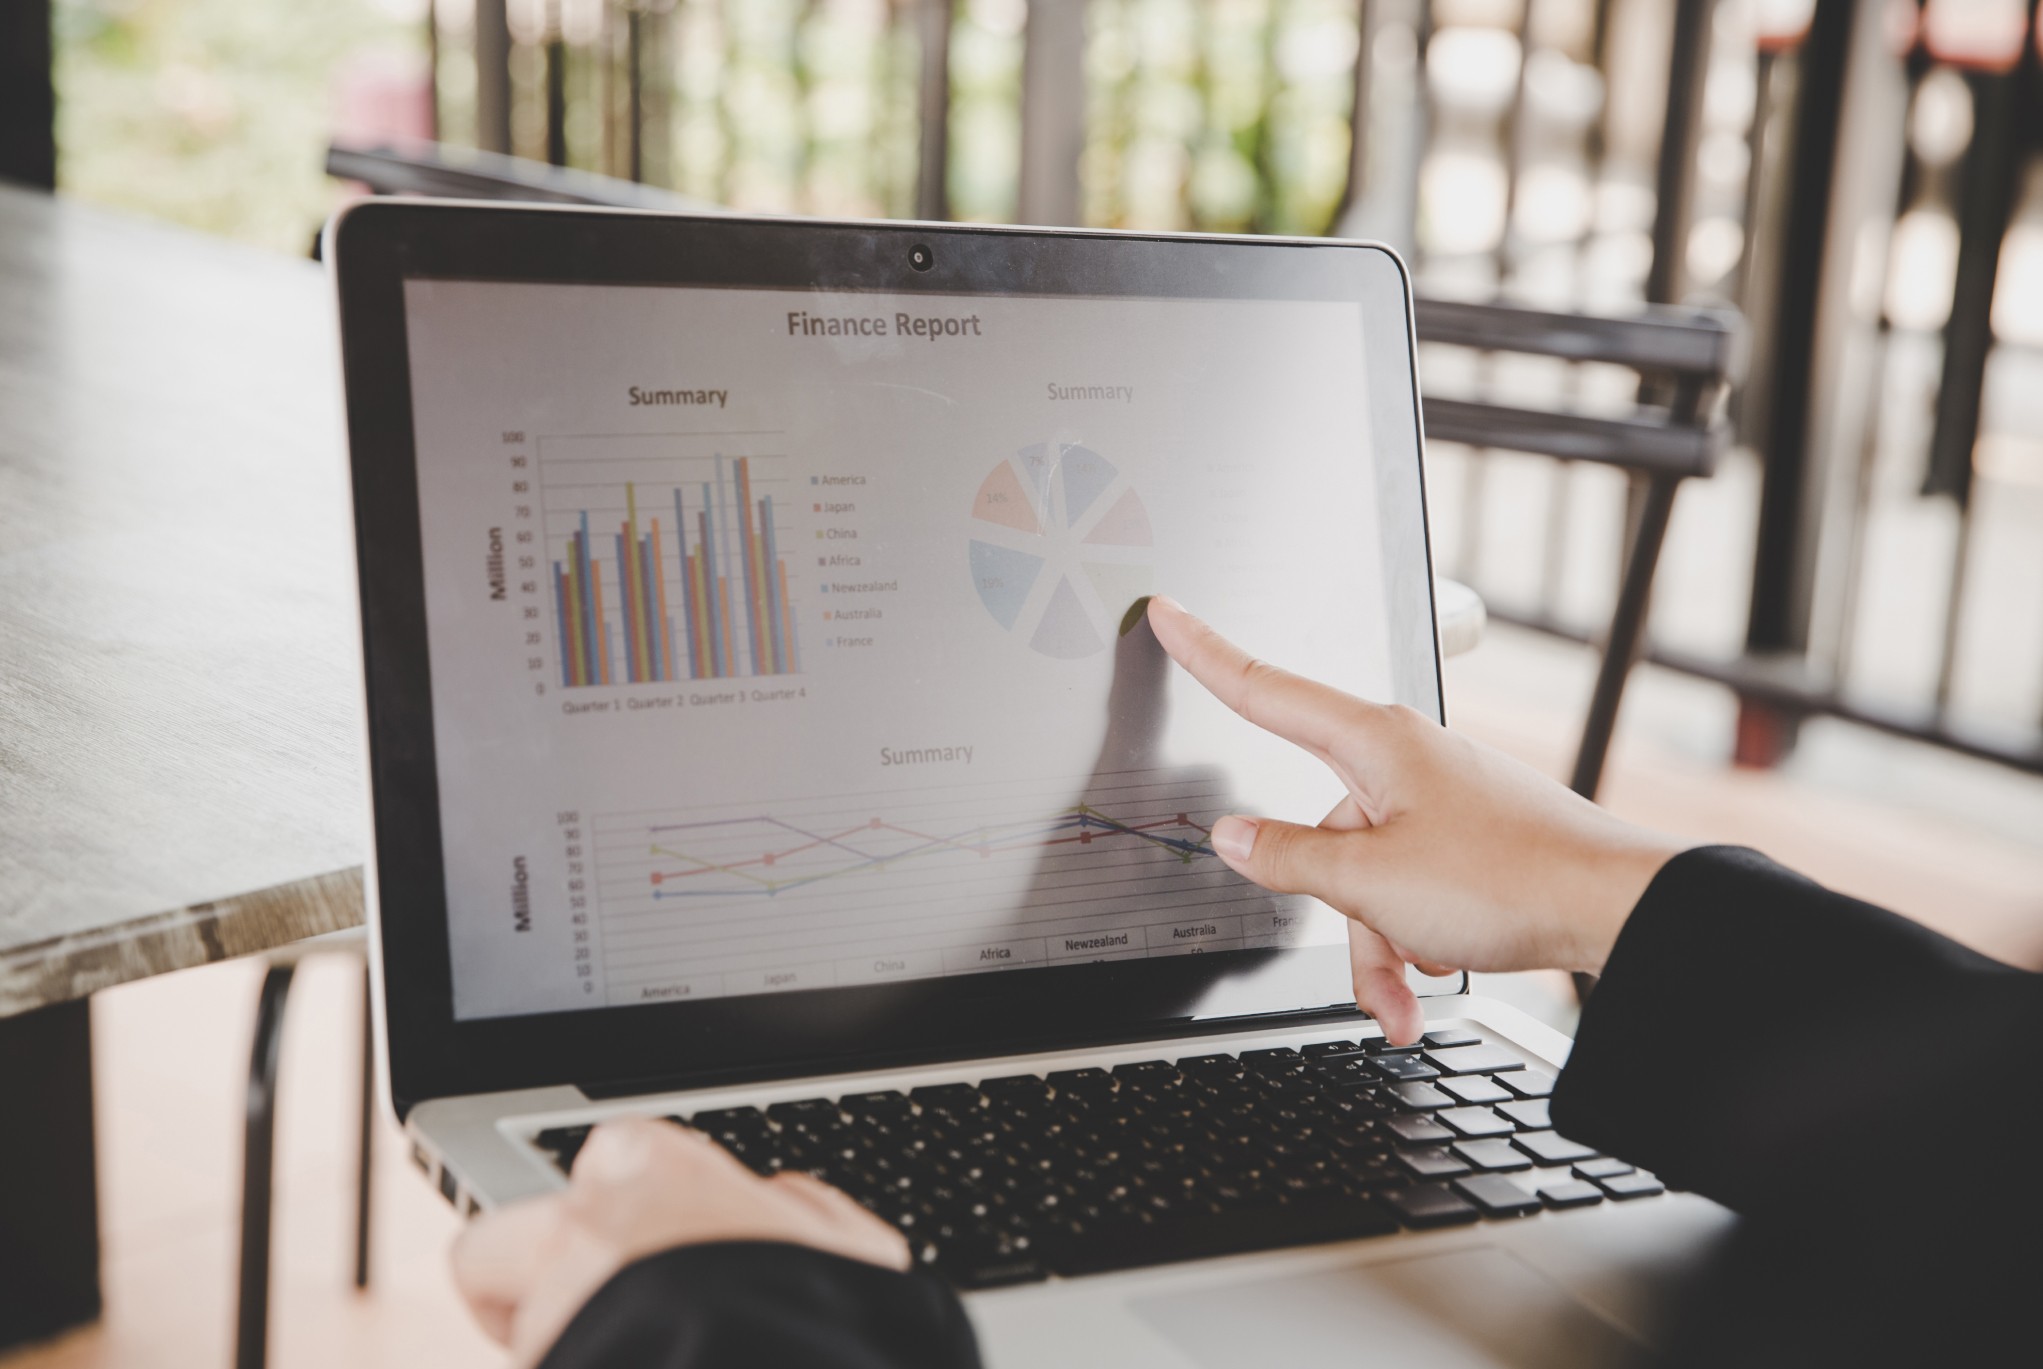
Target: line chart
x=852, y=850
x=922, y=880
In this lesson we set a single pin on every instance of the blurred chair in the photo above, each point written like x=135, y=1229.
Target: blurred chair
x=1688, y=357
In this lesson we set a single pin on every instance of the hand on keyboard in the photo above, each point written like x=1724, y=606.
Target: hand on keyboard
x=1445, y=854
x=640, y=1187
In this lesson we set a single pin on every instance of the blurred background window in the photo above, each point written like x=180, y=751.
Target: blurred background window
x=216, y=113
x=1860, y=178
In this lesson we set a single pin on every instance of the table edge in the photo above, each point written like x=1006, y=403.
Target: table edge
x=75, y=966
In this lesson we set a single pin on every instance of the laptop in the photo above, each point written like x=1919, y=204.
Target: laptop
x=763, y=732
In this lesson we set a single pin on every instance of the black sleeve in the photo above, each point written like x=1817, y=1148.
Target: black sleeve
x=1867, y=1093
x=755, y=1303
x=1749, y=1018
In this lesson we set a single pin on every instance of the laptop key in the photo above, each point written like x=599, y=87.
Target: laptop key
x=1475, y=1122
x=1418, y=1131
x=1571, y=1193
x=733, y=1121
x=809, y=1112
x=953, y=1097
x=1637, y=1184
x=1321, y=1050
x=1342, y=1069
x=884, y=1103
x=1403, y=1069
x=1380, y=1045
x=1530, y=1113
x=1476, y=1088
x=1202, y=1066
x=1478, y=1059
x=1419, y=1097
x=1451, y=1036
x=1528, y=1083
x=1427, y=1205
x=1009, y=1087
x=1495, y=1155
x=1089, y=1082
x=1496, y=1195
x=1602, y=1167
x=1552, y=1148
x=1147, y=1071
x=1432, y=1162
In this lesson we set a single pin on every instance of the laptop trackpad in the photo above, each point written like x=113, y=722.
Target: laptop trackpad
x=1478, y=1308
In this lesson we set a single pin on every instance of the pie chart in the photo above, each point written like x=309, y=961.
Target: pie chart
x=1060, y=547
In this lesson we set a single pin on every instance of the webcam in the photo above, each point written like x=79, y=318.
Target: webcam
x=920, y=257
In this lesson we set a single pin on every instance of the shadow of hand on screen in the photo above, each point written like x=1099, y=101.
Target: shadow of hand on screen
x=1124, y=868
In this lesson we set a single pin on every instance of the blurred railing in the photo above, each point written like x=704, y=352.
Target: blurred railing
x=1874, y=553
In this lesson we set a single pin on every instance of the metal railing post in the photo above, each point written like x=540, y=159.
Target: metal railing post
x=1688, y=68
x=492, y=76
x=1846, y=91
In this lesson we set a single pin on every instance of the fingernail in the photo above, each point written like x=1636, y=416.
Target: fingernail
x=1166, y=601
x=1234, y=838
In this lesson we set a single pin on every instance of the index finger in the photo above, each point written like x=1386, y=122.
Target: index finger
x=1313, y=715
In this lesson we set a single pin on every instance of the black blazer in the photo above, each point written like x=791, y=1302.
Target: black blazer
x=1868, y=1095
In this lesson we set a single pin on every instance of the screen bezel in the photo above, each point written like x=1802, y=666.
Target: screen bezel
x=375, y=246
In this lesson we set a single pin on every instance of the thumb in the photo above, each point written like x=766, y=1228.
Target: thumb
x=1283, y=856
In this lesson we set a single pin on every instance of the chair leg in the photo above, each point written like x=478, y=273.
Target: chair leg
x=366, y=1143
x=251, y=1339
x=1627, y=628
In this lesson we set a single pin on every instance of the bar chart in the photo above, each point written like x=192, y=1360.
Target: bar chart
x=665, y=559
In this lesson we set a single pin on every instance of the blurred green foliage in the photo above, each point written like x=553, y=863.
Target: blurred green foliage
x=1216, y=114
x=211, y=113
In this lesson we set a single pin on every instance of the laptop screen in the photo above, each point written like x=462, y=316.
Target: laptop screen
x=787, y=640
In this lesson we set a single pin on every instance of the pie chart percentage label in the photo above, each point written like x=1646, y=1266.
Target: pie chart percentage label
x=1061, y=545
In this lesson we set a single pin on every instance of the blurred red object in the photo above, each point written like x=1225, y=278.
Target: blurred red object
x=379, y=94
x=1980, y=35
x=1781, y=25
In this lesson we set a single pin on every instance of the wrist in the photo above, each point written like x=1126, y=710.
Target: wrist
x=1614, y=875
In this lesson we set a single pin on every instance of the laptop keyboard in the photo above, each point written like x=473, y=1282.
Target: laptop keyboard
x=1022, y=1176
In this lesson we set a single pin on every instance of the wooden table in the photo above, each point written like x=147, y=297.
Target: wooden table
x=179, y=769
